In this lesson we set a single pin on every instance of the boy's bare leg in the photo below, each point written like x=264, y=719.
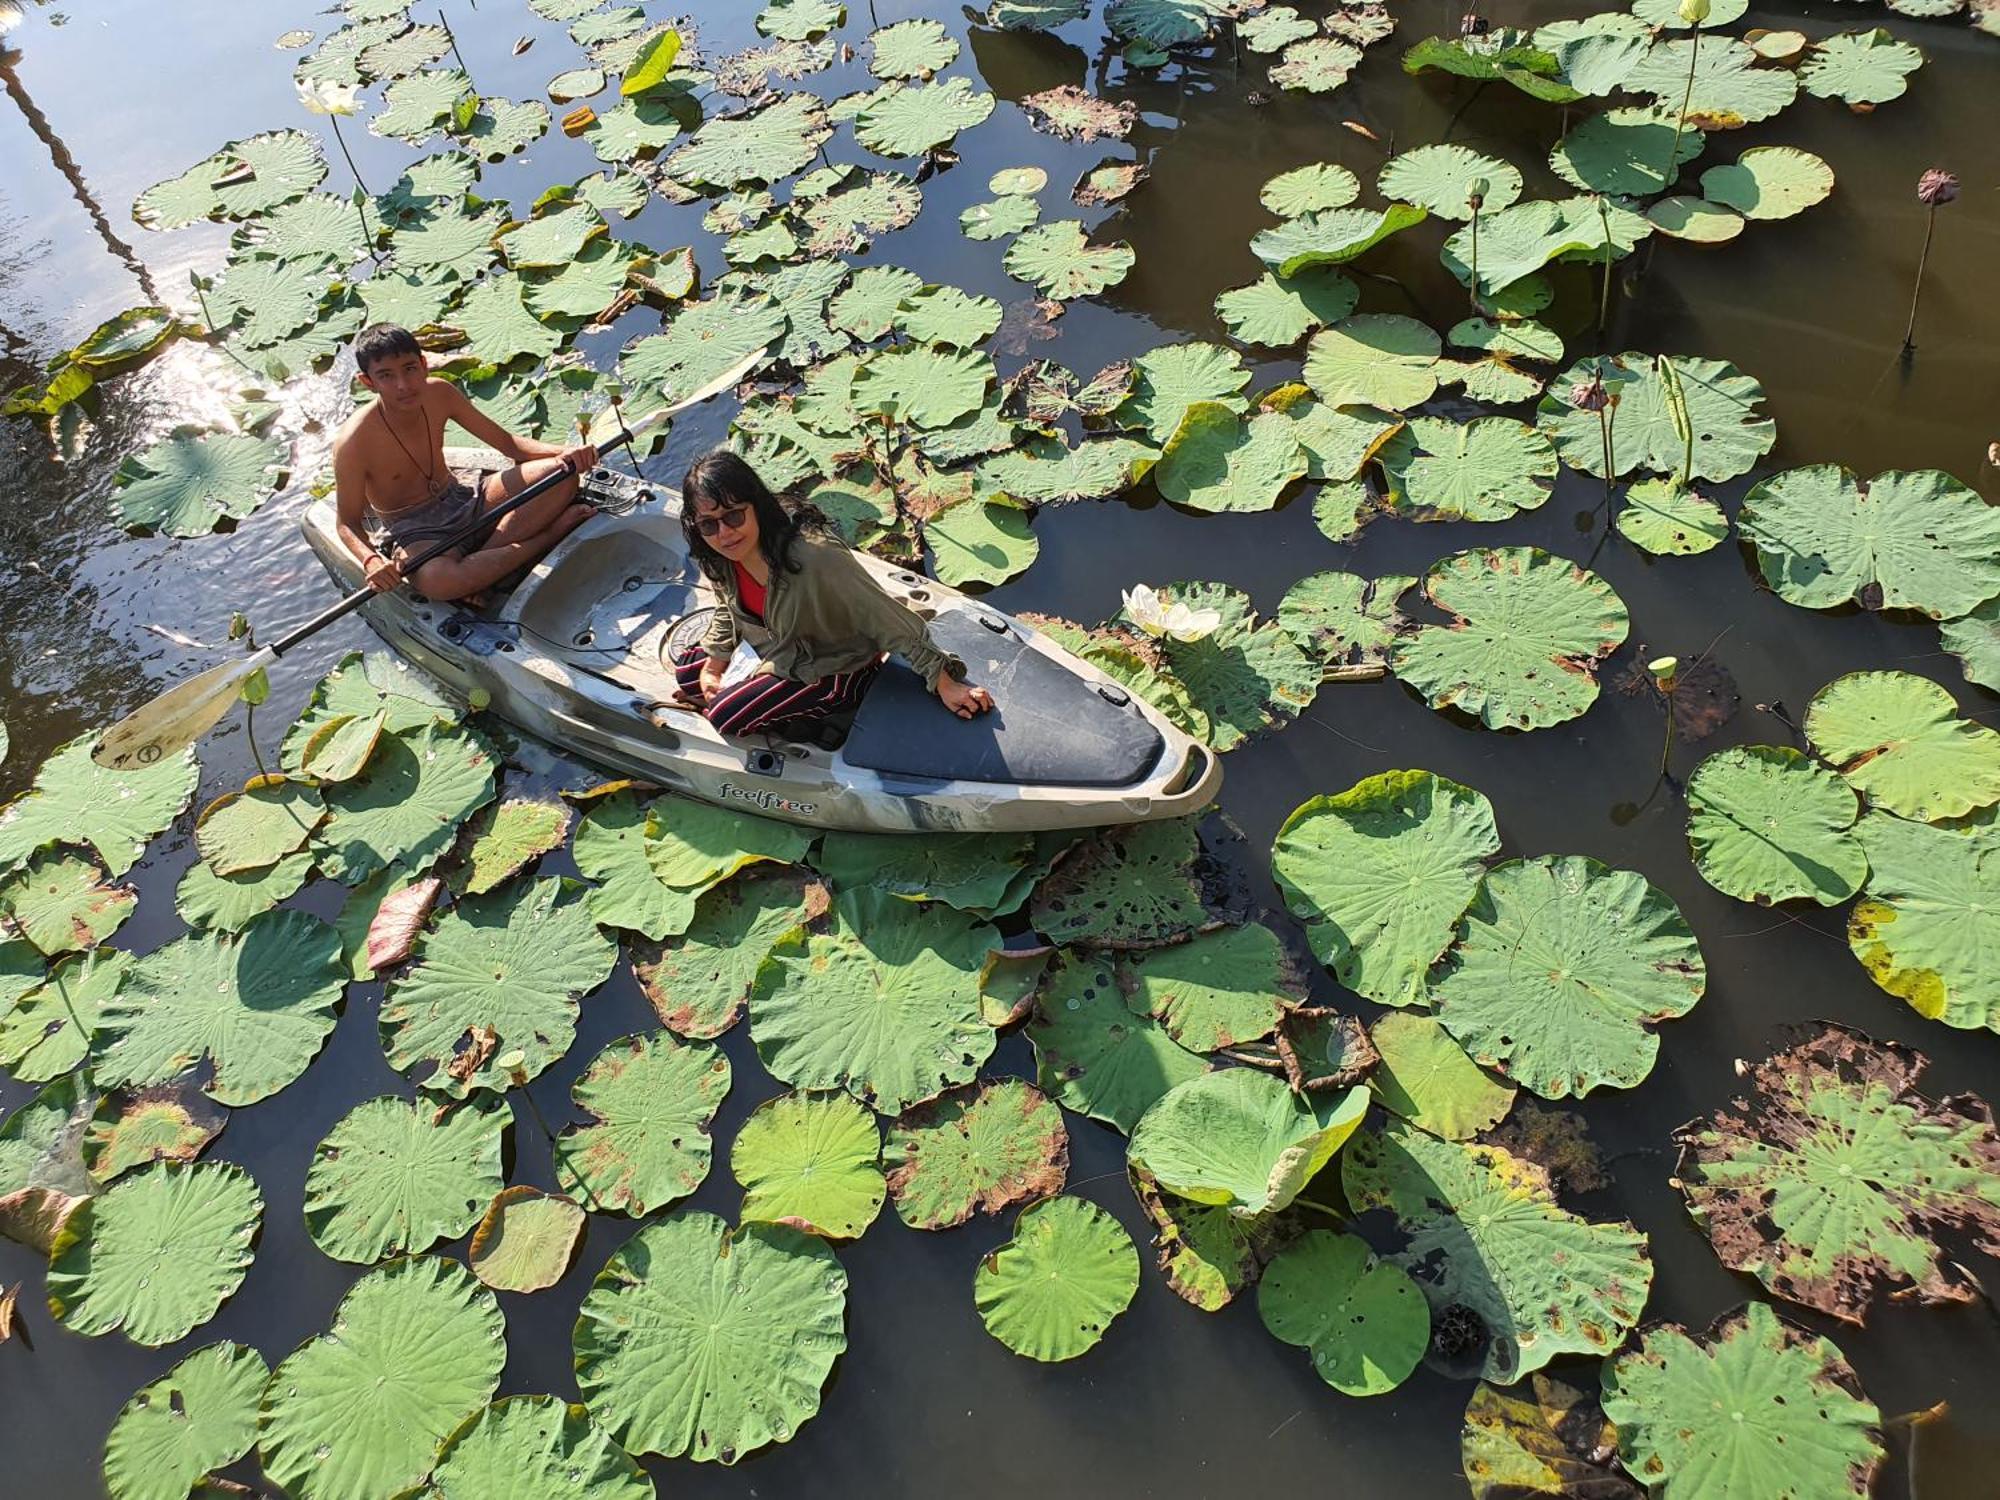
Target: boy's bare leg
x=448, y=578
x=538, y=514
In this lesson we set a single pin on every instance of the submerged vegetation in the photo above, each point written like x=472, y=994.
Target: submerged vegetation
x=1370, y=1168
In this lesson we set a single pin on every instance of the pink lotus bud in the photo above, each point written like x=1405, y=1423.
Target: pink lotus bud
x=1589, y=395
x=1936, y=187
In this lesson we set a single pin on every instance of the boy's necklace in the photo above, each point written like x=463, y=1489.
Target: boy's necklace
x=432, y=487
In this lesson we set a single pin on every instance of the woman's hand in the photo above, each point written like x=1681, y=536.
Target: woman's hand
x=712, y=672
x=962, y=698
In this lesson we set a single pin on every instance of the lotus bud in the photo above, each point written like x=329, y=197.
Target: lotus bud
x=325, y=98
x=239, y=625
x=1936, y=188
x=1993, y=454
x=1475, y=193
x=256, y=688
x=514, y=1064
x=1694, y=12
x=1666, y=672
x=478, y=700
x=1589, y=395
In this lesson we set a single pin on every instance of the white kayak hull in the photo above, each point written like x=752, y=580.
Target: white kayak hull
x=573, y=656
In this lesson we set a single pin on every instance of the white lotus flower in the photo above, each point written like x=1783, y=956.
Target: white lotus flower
x=1155, y=616
x=323, y=98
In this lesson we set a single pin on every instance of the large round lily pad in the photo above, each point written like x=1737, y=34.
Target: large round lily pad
x=981, y=1148
x=1094, y=1054
x=1440, y=177
x=187, y=482
x=1343, y=617
x=76, y=801
x=1171, y=380
x=710, y=1342
x=1218, y=461
x=1209, y=1254
x=1239, y=1139
x=1769, y=182
x=535, y=1448
x=1755, y=1408
x=396, y=1176
x=1927, y=928
x=1364, y=1320
x=812, y=1161
x=1125, y=888
x=652, y=1099
x=58, y=904
x=255, y=828
x=1215, y=990
x=1381, y=873
x=1374, y=359
x=198, y=1417
x=1050, y=1291
x=157, y=1253
x=1669, y=519
x=699, y=983
x=1766, y=824
x=1562, y=968
x=1834, y=1182
x=1425, y=1077
x=883, y=1002
x=1860, y=68
x=1897, y=739
x=1522, y=1279
x=406, y=805
x=415, y=1349
x=1729, y=433
x=1058, y=260
x=1527, y=633
x=1484, y=470
x=526, y=1240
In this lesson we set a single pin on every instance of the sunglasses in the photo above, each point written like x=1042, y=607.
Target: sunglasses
x=722, y=520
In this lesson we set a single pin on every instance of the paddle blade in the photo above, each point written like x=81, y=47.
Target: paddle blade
x=177, y=718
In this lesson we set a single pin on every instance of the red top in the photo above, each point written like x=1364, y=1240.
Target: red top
x=749, y=592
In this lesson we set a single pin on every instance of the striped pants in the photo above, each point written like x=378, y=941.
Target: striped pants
x=766, y=702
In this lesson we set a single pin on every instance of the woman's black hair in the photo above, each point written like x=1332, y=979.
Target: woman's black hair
x=724, y=479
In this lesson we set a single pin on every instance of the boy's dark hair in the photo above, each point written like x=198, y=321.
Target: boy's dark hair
x=383, y=341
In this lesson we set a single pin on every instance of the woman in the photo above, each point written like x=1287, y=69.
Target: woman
x=793, y=590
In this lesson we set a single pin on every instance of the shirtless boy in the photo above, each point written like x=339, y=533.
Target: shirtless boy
x=395, y=497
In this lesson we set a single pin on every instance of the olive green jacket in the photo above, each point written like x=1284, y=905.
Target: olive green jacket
x=829, y=616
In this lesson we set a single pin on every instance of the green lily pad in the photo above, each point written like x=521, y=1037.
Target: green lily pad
x=1273, y=29
x=1216, y=990
x=1094, y=1054
x=811, y=1161
x=1528, y=632
x=576, y=83
x=555, y=239
x=1164, y=23
x=1695, y=220
x=983, y=1148
x=1311, y=188
x=498, y=325
x=767, y=145
x=255, y=1006
x=1278, y=311
x=1170, y=381
x=1798, y=1423
x=49, y=1027
x=1239, y=1139
x=1338, y=439
x=636, y=130
x=1124, y=887
x=1897, y=739
x=1247, y=676
x=1721, y=402
x=1209, y=1254
x=59, y=903
x=1663, y=517
x=255, y=828
x=1363, y=1319
x=107, y=1267
x=1217, y=461
x=76, y=801
x=226, y=903
x=198, y=1417
x=998, y=218
x=357, y=689
x=1045, y=470
x=538, y=1446
x=415, y=1350
x=704, y=341
x=166, y=1123
x=800, y=20
x=1017, y=180
x=946, y=315
x=1493, y=1250
x=1503, y=53
x=1374, y=359
x=975, y=872
x=699, y=985
x=1550, y=1440
x=1927, y=928
x=882, y=1002
x=525, y=1241
x=419, y=105
x=1484, y=470
x=652, y=1099
x=1765, y=824
x=1344, y=618
x=710, y=1342
x=1975, y=640
x=910, y=49
x=1425, y=1077
x=1833, y=1183
x=1916, y=540
x=1050, y=1292
x=923, y=384
x=583, y=289
x=1440, y=177
x=318, y=227
x=516, y=961
x=909, y=119
x=1331, y=236
x=1625, y=151
x=1058, y=260
x=510, y=836
x=1769, y=182
x=1318, y=65
x=1860, y=68
x=656, y=859
x=405, y=807
x=1730, y=88
x=244, y=178
x=395, y=1176
x=188, y=482
x=1562, y=968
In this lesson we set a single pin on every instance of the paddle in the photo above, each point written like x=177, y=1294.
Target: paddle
x=168, y=724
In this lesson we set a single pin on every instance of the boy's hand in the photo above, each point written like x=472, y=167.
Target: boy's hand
x=380, y=574
x=581, y=459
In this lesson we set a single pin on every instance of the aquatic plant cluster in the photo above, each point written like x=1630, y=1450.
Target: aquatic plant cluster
x=876, y=973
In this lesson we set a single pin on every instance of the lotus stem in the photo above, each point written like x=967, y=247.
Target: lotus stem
x=368, y=234
x=1604, y=296
x=1687, y=98
x=452, y=37
x=1475, y=260
x=208, y=318
x=1604, y=427
x=250, y=733
x=1916, y=295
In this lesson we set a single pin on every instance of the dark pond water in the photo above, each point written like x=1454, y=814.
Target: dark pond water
x=1174, y=1402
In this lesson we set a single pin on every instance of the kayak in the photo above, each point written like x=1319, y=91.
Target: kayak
x=577, y=653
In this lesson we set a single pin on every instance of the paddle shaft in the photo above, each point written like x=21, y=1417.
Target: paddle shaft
x=438, y=549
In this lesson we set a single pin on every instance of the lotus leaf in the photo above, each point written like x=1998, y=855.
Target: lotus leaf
x=1246, y=676
x=1552, y=1440
x=1059, y=262
x=76, y=801
x=1051, y=1291
x=801, y=293
x=910, y=49
x=982, y=1147
x=1330, y=237
x=1216, y=990
x=430, y=185
x=415, y=1350
x=508, y=837
x=1317, y=66
x=766, y=145
x=1528, y=631
x=406, y=805
x=1625, y=151
x=1363, y=1319
x=1797, y=1426
x=1073, y=114
x=869, y=305
x=946, y=315
x=554, y=239
x=1309, y=189
x=516, y=961
x=1975, y=640
x=360, y=687
x=535, y=1448
x=418, y=106
x=394, y=1177
x=999, y=218
x=1338, y=439
x=1278, y=311
x=1729, y=435
x=704, y=341
x=843, y=222
x=1516, y=242
x=255, y=1006
x=1915, y=540
x=708, y=1341
x=225, y=903
x=1695, y=220
x=607, y=25
x=924, y=385
x=1096, y=1055
x=244, y=178
x=1897, y=739
x=1425, y=1077
x=318, y=227
x=1273, y=29
x=883, y=1002
x=1208, y=1254
x=1665, y=518
x=59, y=905
x=156, y=1253
x=1766, y=824
x=41, y=1146
x=653, y=1099
x=198, y=1417
x=811, y=1161
x=576, y=83
x=563, y=10
x=1730, y=89
x=188, y=482
x=1483, y=470
x=458, y=242
x=1164, y=23
x=1861, y=68
x=1108, y=182
x=253, y=829
x=48, y=1028
x=1045, y=469
x=699, y=985
x=1769, y=182
x=403, y=53
x=1343, y=617
x=499, y=325
x=909, y=119
x=1035, y=15
x=1217, y=461
x=525, y=1241
x=614, y=192
x=1927, y=928
x=168, y=1123
x=337, y=59
x=637, y=129
x=800, y=20
x=1489, y=1243
x=1440, y=177
x=1374, y=359
x=1239, y=1139
x=1503, y=53
x=1170, y=380
x=505, y=126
